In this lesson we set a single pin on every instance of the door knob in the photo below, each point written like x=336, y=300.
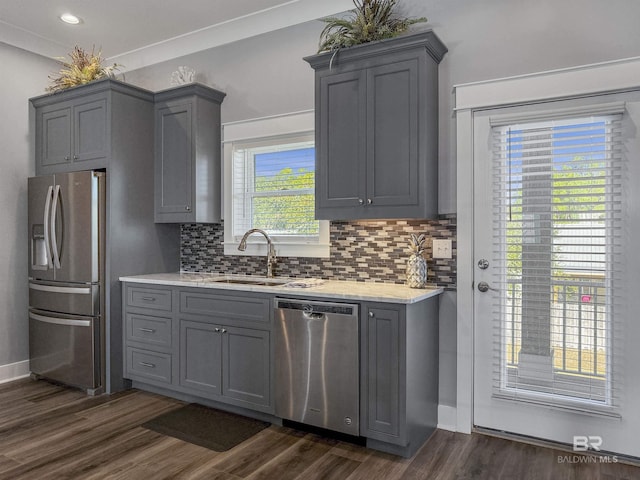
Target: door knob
x=483, y=264
x=484, y=287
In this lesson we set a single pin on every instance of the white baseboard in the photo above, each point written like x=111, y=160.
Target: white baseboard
x=14, y=371
x=447, y=418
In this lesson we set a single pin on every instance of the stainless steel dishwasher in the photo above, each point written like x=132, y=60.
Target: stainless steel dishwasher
x=317, y=364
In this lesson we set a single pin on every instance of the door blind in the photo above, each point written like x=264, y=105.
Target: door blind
x=557, y=216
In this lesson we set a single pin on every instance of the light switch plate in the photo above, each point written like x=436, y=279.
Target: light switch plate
x=441, y=248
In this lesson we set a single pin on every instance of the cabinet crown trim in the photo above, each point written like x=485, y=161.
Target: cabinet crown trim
x=98, y=86
x=427, y=39
x=198, y=89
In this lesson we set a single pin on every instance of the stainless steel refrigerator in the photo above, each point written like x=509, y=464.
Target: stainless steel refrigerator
x=66, y=278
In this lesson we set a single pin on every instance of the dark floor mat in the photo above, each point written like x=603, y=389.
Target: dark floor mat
x=207, y=427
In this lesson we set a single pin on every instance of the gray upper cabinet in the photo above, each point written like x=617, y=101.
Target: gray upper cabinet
x=187, y=155
x=377, y=129
x=72, y=135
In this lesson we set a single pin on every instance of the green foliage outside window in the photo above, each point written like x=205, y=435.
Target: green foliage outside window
x=578, y=190
x=290, y=213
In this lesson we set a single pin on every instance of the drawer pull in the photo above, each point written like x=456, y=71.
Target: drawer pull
x=149, y=299
x=147, y=330
x=148, y=365
x=224, y=330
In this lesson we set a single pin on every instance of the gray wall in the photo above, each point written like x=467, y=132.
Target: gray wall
x=487, y=39
x=24, y=75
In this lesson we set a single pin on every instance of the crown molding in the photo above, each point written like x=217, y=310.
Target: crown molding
x=257, y=23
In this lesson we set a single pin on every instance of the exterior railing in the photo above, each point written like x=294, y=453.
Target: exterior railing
x=579, y=331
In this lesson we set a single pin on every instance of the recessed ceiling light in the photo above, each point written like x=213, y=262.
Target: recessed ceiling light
x=69, y=18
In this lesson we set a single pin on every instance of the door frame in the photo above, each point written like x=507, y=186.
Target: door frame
x=568, y=83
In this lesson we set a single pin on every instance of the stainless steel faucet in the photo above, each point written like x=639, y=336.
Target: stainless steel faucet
x=271, y=252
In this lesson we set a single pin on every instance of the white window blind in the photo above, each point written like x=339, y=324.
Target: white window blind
x=557, y=234
x=273, y=189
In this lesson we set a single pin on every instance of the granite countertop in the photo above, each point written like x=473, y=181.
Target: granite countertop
x=334, y=289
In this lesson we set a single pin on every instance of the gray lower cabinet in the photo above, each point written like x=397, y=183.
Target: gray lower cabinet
x=223, y=360
x=149, y=365
x=399, y=375
x=246, y=365
x=149, y=343
x=210, y=344
x=218, y=345
x=383, y=375
x=187, y=155
x=377, y=129
x=201, y=357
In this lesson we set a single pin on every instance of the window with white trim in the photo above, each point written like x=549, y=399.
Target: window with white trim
x=270, y=185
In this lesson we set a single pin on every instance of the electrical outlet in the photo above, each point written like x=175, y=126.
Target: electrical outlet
x=441, y=248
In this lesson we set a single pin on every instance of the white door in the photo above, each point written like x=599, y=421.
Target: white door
x=556, y=339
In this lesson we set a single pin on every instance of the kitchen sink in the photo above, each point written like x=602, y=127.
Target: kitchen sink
x=250, y=281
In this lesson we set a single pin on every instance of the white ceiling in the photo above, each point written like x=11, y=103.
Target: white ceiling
x=136, y=33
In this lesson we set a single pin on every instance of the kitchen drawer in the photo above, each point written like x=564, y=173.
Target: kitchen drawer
x=147, y=329
x=150, y=365
x=149, y=298
x=224, y=308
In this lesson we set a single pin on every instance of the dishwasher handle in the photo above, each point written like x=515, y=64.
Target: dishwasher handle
x=311, y=315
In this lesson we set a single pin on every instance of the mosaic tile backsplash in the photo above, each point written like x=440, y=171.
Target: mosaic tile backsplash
x=368, y=250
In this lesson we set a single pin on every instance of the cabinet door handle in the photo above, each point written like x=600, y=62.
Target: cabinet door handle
x=75, y=157
x=149, y=299
x=147, y=330
x=224, y=330
x=66, y=157
x=148, y=365
x=371, y=314
x=187, y=208
x=360, y=201
x=217, y=330
x=369, y=201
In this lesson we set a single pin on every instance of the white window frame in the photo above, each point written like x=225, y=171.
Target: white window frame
x=265, y=131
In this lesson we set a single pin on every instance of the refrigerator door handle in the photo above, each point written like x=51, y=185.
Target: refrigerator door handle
x=60, y=289
x=54, y=214
x=47, y=248
x=60, y=321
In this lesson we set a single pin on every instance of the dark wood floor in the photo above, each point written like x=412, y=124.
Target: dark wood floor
x=50, y=432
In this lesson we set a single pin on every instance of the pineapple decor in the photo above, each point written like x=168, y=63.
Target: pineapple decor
x=416, y=264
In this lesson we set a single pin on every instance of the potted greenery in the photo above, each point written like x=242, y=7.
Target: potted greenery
x=84, y=67
x=371, y=20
